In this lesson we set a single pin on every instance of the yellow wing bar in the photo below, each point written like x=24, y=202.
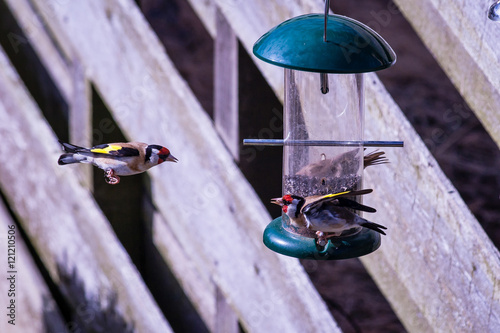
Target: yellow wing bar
x=106, y=150
x=335, y=194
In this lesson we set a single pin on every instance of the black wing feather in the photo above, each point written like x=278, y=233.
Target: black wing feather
x=334, y=200
x=374, y=226
x=122, y=152
x=348, y=203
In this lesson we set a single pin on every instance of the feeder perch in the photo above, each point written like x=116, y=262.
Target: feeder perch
x=324, y=58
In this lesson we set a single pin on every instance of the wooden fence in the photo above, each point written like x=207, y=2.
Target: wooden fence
x=438, y=269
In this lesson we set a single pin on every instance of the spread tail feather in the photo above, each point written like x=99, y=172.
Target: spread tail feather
x=70, y=158
x=66, y=159
x=375, y=158
x=374, y=226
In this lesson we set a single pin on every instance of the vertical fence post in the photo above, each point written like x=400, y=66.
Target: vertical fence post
x=226, y=84
x=80, y=116
x=226, y=320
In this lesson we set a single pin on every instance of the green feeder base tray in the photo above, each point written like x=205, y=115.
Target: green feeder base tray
x=290, y=244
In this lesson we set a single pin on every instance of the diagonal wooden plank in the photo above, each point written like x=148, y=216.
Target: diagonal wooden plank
x=37, y=35
x=437, y=266
x=465, y=43
x=34, y=307
x=226, y=116
x=205, y=200
x=73, y=238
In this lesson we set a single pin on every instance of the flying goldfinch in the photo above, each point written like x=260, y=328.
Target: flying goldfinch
x=328, y=215
x=117, y=159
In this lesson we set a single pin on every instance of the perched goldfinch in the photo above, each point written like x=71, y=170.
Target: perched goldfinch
x=327, y=213
x=117, y=159
x=343, y=164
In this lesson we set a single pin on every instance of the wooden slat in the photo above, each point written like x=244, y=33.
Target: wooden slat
x=68, y=230
x=211, y=209
x=226, y=116
x=255, y=25
x=194, y=280
x=206, y=9
x=436, y=266
x=80, y=117
x=226, y=320
x=466, y=45
x=35, y=30
x=35, y=308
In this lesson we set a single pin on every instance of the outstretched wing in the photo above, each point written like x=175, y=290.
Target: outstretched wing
x=115, y=150
x=338, y=199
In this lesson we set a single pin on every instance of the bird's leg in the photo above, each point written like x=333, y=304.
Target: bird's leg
x=322, y=238
x=111, y=178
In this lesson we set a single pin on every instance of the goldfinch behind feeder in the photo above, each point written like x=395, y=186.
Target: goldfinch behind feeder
x=117, y=159
x=343, y=164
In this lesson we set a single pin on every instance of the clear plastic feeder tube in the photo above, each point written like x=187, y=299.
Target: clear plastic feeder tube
x=322, y=106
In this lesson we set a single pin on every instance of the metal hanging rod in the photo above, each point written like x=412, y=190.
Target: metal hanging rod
x=327, y=9
x=281, y=142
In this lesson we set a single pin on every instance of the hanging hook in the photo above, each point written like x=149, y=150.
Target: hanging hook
x=327, y=9
x=324, y=83
x=324, y=76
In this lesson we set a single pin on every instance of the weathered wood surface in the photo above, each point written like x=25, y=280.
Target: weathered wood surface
x=73, y=238
x=211, y=210
x=35, y=30
x=437, y=267
x=36, y=310
x=226, y=115
x=193, y=278
x=80, y=117
x=253, y=19
x=466, y=45
x=443, y=277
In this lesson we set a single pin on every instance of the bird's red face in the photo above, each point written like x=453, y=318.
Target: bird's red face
x=284, y=202
x=287, y=201
x=164, y=155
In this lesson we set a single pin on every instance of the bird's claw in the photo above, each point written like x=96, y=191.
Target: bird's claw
x=111, y=178
x=322, y=237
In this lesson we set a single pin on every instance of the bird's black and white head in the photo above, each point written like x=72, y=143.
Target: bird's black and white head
x=156, y=154
x=290, y=204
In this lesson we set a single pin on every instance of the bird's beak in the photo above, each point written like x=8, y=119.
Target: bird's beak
x=277, y=201
x=171, y=158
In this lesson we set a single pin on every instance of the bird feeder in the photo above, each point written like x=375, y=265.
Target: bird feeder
x=324, y=58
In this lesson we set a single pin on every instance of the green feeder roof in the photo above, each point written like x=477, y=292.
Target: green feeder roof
x=351, y=46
